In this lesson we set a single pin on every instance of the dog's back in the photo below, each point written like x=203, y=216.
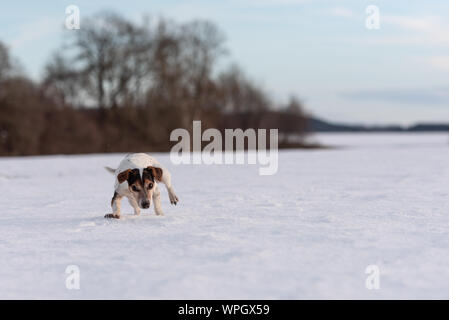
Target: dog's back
x=137, y=160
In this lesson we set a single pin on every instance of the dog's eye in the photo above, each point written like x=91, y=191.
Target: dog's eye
x=150, y=186
x=134, y=188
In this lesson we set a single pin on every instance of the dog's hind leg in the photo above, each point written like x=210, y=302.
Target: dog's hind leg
x=116, y=204
x=157, y=201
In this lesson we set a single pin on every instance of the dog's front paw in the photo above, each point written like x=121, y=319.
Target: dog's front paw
x=173, y=198
x=112, y=216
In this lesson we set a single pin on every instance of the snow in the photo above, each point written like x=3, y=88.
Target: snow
x=310, y=231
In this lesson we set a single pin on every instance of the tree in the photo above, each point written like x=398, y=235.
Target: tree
x=293, y=120
x=240, y=94
x=5, y=61
x=62, y=81
x=110, y=64
x=201, y=46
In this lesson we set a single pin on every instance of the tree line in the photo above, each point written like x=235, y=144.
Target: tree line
x=119, y=86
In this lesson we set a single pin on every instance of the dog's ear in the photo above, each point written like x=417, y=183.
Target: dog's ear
x=123, y=176
x=157, y=172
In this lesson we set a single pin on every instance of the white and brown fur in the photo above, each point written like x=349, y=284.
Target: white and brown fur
x=137, y=179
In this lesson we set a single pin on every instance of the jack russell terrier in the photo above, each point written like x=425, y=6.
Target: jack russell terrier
x=136, y=178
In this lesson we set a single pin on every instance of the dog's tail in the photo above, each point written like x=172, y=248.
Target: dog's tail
x=109, y=169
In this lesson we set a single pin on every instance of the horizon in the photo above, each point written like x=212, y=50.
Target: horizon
x=382, y=125
x=319, y=51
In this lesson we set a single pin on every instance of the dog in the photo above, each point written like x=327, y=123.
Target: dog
x=137, y=178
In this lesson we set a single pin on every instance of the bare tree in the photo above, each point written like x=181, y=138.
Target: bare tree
x=110, y=64
x=202, y=45
x=62, y=82
x=125, y=86
x=293, y=121
x=5, y=63
x=240, y=94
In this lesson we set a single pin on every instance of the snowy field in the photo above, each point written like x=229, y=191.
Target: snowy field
x=309, y=231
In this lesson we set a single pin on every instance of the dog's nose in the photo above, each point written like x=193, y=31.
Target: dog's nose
x=145, y=204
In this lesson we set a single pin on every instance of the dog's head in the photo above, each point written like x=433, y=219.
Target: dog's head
x=141, y=188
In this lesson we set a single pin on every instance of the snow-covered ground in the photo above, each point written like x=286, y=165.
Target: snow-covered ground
x=309, y=231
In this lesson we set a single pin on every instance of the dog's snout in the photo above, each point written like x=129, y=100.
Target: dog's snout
x=145, y=204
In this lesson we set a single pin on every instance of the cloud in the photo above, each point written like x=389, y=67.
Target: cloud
x=266, y=3
x=341, y=12
x=441, y=63
x=419, y=30
x=411, y=96
x=423, y=24
x=428, y=29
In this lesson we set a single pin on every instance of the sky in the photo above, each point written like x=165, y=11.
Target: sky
x=320, y=51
